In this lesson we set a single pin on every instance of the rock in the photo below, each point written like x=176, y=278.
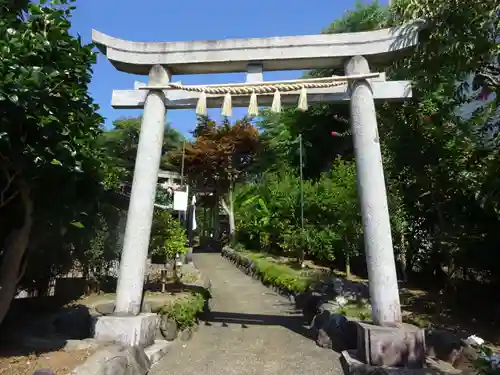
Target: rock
x=75, y=345
x=300, y=299
x=441, y=367
x=350, y=334
x=43, y=372
x=311, y=304
x=443, y=345
x=323, y=340
x=115, y=360
x=186, y=335
x=320, y=319
x=330, y=306
x=465, y=360
x=189, y=255
x=340, y=301
x=157, y=351
x=168, y=328
x=330, y=334
x=106, y=308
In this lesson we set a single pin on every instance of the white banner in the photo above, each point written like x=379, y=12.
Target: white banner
x=180, y=200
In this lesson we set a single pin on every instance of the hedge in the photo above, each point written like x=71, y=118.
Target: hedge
x=286, y=280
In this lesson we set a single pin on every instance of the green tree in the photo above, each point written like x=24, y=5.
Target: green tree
x=121, y=144
x=441, y=158
x=48, y=125
x=168, y=237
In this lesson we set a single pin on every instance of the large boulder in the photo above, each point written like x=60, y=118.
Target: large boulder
x=330, y=332
x=336, y=332
x=443, y=345
x=168, y=328
x=115, y=360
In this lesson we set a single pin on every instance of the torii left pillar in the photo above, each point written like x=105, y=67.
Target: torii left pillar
x=128, y=325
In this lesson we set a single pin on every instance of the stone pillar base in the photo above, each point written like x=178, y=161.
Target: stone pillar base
x=353, y=366
x=402, y=346
x=139, y=330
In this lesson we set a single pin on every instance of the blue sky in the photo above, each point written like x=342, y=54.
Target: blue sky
x=164, y=21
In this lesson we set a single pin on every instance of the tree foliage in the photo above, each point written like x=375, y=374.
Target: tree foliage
x=48, y=127
x=168, y=237
x=122, y=140
x=440, y=150
x=219, y=156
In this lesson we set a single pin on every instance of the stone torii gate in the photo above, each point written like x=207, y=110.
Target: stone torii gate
x=354, y=52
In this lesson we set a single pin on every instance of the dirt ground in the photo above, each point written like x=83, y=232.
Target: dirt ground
x=59, y=362
x=15, y=359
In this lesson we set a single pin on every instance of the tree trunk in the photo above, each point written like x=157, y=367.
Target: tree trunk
x=232, y=224
x=216, y=217
x=402, y=257
x=229, y=208
x=347, y=266
x=14, y=249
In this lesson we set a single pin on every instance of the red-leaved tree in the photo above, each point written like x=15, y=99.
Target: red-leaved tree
x=218, y=157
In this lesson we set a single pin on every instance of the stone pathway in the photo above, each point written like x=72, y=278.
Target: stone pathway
x=250, y=330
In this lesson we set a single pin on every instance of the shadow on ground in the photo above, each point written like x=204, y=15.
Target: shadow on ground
x=293, y=323
x=44, y=331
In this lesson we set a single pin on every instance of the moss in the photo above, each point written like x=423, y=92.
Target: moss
x=356, y=310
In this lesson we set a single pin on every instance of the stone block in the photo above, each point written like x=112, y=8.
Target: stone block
x=115, y=360
x=391, y=346
x=157, y=351
x=444, y=345
x=168, y=328
x=353, y=366
x=139, y=330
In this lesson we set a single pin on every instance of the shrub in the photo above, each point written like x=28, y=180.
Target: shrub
x=279, y=275
x=184, y=311
x=168, y=237
x=487, y=362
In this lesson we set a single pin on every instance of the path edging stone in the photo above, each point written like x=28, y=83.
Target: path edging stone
x=330, y=329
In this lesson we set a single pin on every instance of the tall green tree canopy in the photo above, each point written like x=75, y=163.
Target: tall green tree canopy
x=47, y=129
x=120, y=144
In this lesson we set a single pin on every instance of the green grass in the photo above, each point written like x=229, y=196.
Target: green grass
x=356, y=310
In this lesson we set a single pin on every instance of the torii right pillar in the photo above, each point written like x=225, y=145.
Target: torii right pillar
x=387, y=341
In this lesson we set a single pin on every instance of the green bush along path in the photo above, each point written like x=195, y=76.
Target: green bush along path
x=249, y=330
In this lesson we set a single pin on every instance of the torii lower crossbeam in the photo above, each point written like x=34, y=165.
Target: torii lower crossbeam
x=179, y=99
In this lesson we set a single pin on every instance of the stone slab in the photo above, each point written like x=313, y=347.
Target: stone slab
x=353, y=366
x=274, y=53
x=391, y=346
x=115, y=360
x=157, y=351
x=139, y=330
x=394, y=91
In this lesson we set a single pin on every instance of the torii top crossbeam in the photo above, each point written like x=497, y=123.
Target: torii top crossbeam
x=277, y=53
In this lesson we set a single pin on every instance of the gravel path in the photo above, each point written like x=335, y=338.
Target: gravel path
x=250, y=330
